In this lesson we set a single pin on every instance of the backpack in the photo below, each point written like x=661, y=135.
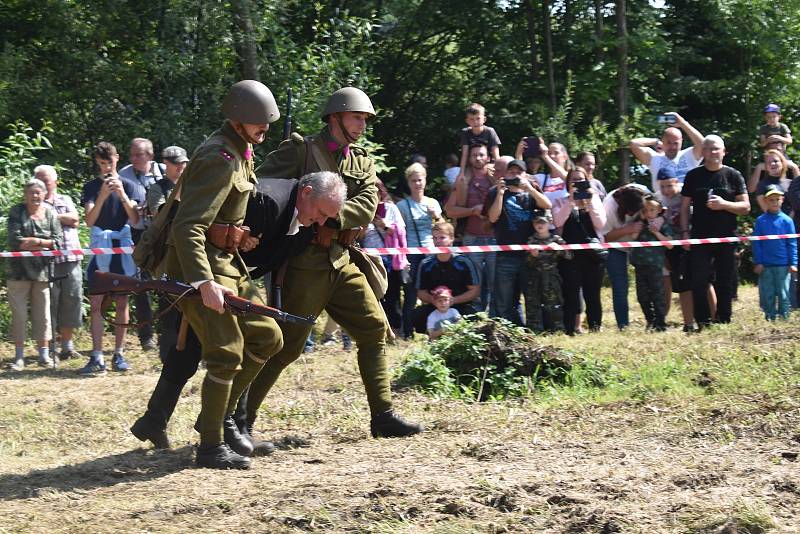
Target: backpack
x=151, y=250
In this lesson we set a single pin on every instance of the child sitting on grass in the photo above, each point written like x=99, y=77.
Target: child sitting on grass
x=648, y=263
x=774, y=260
x=443, y=315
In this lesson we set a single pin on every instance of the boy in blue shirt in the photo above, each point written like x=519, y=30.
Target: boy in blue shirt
x=774, y=260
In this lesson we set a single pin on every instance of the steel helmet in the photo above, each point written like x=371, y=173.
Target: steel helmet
x=348, y=99
x=250, y=102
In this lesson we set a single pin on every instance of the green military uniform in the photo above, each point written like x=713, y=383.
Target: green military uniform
x=324, y=278
x=215, y=187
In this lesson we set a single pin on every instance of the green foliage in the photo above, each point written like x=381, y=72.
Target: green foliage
x=483, y=359
x=18, y=155
x=427, y=372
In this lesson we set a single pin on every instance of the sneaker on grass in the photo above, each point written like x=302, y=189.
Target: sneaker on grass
x=93, y=368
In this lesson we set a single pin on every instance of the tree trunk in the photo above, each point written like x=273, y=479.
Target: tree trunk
x=244, y=37
x=548, y=44
x=566, y=31
x=599, y=56
x=529, y=15
x=622, y=87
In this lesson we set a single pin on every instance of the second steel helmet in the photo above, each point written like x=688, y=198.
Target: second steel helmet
x=348, y=99
x=250, y=102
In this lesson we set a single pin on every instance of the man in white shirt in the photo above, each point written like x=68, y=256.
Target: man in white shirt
x=684, y=159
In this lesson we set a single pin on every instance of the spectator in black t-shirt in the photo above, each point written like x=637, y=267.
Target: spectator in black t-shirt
x=455, y=271
x=511, y=206
x=717, y=194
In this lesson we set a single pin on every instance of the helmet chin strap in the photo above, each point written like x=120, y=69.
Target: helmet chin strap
x=338, y=118
x=243, y=133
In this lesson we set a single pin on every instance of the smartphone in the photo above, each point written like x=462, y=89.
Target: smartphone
x=666, y=119
x=582, y=190
x=381, y=211
x=532, y=149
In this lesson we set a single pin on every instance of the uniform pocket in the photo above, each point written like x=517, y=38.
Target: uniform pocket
x=243, y=186
x=355, y=175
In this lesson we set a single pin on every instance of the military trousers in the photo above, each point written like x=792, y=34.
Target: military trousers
x=650, y=294
x=544, y=301
x=347, y=297
x=234, y=348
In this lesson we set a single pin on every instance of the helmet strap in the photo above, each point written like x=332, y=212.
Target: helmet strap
x=239, y=128
x=347, y=137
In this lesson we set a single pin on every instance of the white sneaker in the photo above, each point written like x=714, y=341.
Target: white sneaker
x=45, y=361
x=19, y=364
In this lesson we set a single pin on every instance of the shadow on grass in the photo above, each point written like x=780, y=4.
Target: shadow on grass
x=63, y=369
x=132, y=466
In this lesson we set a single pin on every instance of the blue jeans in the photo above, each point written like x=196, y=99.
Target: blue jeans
x=773, y=289
x=485, y=264
x=410, y=295
x=617, y=265
x=508, y=283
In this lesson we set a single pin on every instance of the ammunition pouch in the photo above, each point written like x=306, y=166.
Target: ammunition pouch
x=227, y=237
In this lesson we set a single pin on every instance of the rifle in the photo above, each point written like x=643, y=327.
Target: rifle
x=287, y=121
x=110, y=283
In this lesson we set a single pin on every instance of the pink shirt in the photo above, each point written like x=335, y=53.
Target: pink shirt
x=477, y=192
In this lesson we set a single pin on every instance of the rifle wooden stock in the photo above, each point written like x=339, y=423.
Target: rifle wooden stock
x=108, y=283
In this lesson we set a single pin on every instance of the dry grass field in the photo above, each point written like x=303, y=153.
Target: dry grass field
x=695, y=434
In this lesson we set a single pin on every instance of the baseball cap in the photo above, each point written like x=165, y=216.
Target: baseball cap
x=175, y=154
x=667, y=172
x=541, y=215
x=441, y=291
x=772, y=108
x=519, y=163
x=773, y=189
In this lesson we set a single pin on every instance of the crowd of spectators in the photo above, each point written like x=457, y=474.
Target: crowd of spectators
x=541, y=196
x=538, y=195
x=117, y=205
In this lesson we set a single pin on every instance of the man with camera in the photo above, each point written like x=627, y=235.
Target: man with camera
x=713, y=195
x=684, y=160
x=144, y=172
x=510, y=207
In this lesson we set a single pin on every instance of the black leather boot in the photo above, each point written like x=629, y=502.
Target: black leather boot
x=220, y=456
x=153, y=424
x=237, y=442
x=260, y=447
x=390, y=425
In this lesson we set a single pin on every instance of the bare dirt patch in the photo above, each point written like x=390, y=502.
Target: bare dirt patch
x=714, y=461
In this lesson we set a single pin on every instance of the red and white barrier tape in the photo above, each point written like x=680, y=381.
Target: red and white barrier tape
x=440, y=250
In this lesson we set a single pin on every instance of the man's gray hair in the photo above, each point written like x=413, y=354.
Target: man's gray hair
x=713, y=140
x=49, y=169
x=147, y=143
x=325, y=184
x=35, y=182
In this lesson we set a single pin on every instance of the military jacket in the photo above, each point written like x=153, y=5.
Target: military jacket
x=547, y=260
x=292, y=160
x=215, y=188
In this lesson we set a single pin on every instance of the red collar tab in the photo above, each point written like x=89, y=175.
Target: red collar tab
x=333, y=147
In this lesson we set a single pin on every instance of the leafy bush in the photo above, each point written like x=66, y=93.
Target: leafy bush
x=484, y=359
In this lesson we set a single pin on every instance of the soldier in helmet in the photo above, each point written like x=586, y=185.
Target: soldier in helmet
x=203, y=251
x=323, y=277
